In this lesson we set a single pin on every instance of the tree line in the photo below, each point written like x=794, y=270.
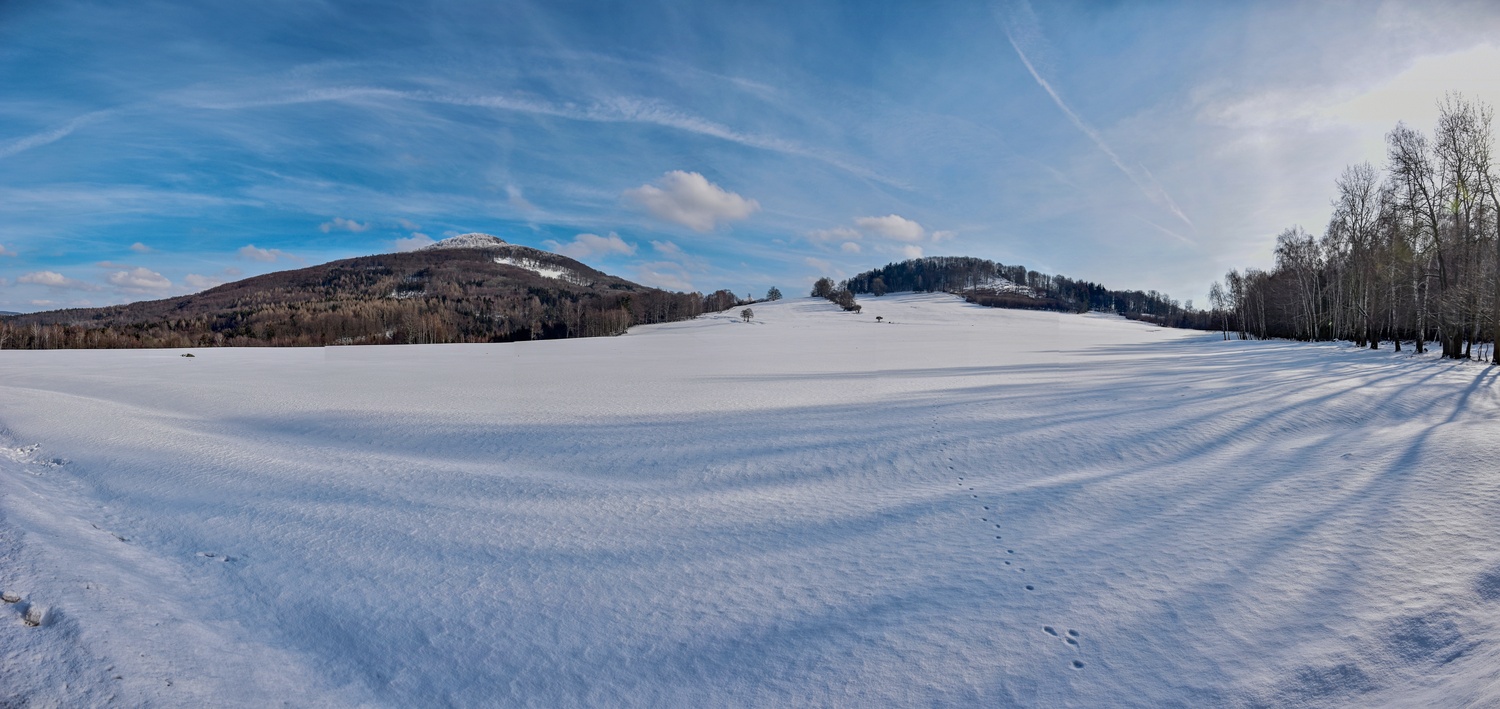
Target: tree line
x=1410, y=252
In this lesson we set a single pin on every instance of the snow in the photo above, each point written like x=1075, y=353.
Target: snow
x=1000, y=284
x=472, y=240
x=958, y=506
x=546, y=270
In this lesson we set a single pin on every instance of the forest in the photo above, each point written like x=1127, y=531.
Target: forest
x=992, y=284
x=1410, y=252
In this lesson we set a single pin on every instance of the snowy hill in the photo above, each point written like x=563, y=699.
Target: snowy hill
x=467, y=241
x=953, y=505
x=469, y=288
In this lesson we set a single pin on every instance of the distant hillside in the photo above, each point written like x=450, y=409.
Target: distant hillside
x=997, y=285
x=471, y=288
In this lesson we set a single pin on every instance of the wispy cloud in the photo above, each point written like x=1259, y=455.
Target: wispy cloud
x=1142, y=177
x=612, y=109
x=1167, y=231
x=251, y=252
x=36, y=140
x=342, y=224
x=664, y=274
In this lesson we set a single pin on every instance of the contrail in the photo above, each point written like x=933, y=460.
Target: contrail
x=36, y=140
x=1148, y=186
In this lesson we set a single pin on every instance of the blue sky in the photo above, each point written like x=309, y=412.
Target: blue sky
x=157, y=148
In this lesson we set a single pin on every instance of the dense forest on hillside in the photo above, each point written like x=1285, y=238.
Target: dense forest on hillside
x=1409, y=253
x=451, y=295
x=993, y=284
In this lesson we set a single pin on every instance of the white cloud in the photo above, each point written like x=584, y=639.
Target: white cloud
x=53, y=279
x=140, y=248
x=664, y=274
x=838, y=233
x=139, y=280
x=254, y=253
x=822, y=266
x=911, y=251
x=940, y=236
x=892, y=226
x=45, y=278
x=689, y=199
x=585, y=245
x=416, y=241
x=409, y=225
x=6, y=252
x=342, y=224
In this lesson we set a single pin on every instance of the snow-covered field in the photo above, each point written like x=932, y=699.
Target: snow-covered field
x=959, y=506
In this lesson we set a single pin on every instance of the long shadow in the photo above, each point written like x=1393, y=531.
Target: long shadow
x=368, y=474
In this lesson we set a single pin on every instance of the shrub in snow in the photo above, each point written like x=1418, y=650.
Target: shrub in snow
x=10, y=597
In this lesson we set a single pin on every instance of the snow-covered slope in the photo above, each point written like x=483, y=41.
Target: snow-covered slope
x=543, y=269
x=956, y=506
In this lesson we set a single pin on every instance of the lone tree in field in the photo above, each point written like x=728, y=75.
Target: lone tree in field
x=773, y=294
x=823, y=288
x=746, y=314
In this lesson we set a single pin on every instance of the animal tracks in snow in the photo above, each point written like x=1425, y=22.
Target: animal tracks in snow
x=989, y=513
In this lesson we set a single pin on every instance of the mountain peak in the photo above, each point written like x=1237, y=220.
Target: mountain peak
x=467, y=241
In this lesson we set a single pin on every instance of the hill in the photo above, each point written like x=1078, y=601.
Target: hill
x=988, y=283
x=470, y=288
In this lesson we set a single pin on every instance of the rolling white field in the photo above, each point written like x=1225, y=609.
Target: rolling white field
x=963, y=506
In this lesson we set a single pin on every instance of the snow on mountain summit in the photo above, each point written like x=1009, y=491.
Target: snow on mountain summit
x=471, y=240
